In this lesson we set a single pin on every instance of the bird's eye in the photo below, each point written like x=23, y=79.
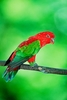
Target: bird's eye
x=48, y=36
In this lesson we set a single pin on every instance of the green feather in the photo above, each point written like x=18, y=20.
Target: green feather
x=28, y=50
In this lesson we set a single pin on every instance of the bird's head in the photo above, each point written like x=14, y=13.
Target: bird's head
x=45, y=38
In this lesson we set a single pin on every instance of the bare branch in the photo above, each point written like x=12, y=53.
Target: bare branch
x=43, y=69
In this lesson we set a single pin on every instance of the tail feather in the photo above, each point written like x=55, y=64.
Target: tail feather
x=9, y=75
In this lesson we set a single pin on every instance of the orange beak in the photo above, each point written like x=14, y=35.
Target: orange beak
x=52, y=40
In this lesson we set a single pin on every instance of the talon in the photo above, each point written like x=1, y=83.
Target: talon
x=34, y=65
x=39, y=68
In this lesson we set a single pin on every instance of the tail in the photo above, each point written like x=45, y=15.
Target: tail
x=9, y=75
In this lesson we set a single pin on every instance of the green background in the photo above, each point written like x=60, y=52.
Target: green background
x=20, y=19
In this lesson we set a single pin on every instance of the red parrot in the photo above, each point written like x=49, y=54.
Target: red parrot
x=26, y=51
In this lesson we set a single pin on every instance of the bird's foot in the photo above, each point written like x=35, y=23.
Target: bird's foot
x=42, y=70
x=34, y=65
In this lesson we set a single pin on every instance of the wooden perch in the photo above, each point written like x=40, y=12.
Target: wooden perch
x=43, y=69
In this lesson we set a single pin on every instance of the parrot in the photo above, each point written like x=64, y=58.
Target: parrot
x=26, y=51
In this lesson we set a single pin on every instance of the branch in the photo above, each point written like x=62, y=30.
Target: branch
x=43, y=69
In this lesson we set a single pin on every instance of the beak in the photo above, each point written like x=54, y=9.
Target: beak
x=52, y=40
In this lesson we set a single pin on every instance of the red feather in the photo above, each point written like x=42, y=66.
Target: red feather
x=32, y=59
x=30, y=40
x=41, y=37
x=12, y=55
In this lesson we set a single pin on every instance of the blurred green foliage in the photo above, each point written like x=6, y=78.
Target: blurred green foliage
x=20, y=19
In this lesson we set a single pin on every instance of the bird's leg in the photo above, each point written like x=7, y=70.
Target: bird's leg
x=33, y=64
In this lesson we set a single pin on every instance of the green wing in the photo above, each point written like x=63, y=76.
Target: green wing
x=29, y=50
x=24, y=53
